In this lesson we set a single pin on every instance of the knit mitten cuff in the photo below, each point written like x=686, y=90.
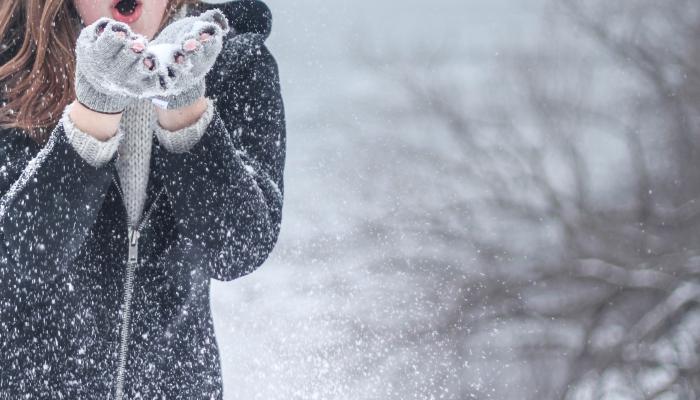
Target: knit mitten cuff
x=182, y=140
x=185, y=98
x=97, y=101
x=94, y=151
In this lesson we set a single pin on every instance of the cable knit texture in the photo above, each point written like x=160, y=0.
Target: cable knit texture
x=133, y=141
x=133, y=164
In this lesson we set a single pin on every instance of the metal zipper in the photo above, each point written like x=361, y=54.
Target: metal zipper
x=132, y=262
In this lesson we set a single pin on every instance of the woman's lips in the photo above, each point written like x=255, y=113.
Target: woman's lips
x=131, y=17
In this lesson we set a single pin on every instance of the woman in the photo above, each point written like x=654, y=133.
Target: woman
x=140, y=156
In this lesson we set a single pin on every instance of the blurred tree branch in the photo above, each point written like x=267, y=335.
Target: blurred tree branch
x=613, y=254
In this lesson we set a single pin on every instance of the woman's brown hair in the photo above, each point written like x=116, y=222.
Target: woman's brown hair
x=37, y=61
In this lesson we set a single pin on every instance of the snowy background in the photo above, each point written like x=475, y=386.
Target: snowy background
x=483, y=199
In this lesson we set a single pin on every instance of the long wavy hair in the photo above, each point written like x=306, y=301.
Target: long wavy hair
x=37, y=61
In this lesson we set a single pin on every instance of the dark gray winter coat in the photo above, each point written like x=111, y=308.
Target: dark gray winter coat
x=215, y=212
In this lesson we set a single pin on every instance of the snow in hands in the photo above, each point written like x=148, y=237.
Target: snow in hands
x=109, y=67
x=184, y=52
x=173, y=63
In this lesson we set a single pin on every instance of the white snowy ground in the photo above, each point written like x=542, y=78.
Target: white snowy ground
x=317, y=320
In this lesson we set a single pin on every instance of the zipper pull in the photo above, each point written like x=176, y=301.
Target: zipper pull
x=134, y=235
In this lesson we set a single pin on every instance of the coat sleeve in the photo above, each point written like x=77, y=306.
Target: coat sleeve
x=50, y=200
x=227, y=190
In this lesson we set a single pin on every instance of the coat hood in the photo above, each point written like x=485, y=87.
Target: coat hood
x=244, y=16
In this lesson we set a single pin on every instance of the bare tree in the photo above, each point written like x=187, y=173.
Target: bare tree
x=568, y=219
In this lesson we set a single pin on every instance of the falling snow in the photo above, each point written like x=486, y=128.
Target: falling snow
x=481, y=200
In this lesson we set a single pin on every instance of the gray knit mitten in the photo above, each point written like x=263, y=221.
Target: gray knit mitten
x=111, y=66
x=185, y=52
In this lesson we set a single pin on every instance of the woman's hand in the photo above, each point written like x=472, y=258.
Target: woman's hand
x=112, y=67
x=185, y=51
